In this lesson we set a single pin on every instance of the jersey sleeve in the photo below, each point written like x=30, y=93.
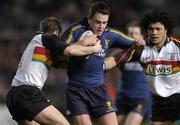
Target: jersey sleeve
x=125, y=56
x=120, y=40
x=71, y=35
x=176, y=41
x=56, y=48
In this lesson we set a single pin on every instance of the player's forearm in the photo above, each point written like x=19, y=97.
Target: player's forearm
x=86, y=42
x=79, y=50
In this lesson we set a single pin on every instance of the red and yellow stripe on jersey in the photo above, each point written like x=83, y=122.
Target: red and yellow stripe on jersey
x=42, y=55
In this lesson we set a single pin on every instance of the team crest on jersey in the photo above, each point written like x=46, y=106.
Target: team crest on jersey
x=172, y=56
x=107, y=42
x=159, y=69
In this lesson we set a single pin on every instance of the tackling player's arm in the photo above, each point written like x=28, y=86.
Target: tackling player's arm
x=57, y=47
x=76, y=49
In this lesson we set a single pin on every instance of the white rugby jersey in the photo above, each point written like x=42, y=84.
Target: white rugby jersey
x=163, y=68
x=34, y=66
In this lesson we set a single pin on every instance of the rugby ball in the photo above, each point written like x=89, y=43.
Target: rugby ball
x=88, y=32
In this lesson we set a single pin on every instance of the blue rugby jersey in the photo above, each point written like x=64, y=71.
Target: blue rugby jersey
x=133, y=83
x=88, y=70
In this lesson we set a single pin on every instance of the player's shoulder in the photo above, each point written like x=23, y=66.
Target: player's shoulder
x=113, y=30
x=75, y=27
x=175, y=40
x=119, y=33
x=49, y=37
x=78, y=25
x=37, y=37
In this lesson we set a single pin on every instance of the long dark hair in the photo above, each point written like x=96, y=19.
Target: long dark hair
x=157, y=16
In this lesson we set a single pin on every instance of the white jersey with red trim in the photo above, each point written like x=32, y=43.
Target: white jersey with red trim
x=34, y=66
x=162, y=68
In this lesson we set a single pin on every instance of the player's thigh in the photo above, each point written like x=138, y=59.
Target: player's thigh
x=82, y=119
x=108, y=119
x=51, y=116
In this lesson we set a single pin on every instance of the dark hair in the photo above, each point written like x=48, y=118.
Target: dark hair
x=100, y=7
x=50, y=24
x=157, y=16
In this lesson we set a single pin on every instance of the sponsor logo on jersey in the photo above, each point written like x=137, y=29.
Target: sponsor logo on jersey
x=159, y=69
x=107, y=43
x=101, y=53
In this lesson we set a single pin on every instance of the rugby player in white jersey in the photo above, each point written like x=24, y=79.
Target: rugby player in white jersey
x=25, y=100
x=161, y=62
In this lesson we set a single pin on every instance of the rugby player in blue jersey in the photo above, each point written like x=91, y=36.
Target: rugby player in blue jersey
x=133, y=97
x=161, y=62
x=86, y=94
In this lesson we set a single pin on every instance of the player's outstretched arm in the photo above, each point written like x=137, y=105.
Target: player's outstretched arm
x=118, y=56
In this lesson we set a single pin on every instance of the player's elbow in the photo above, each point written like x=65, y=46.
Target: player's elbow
x=70, y=51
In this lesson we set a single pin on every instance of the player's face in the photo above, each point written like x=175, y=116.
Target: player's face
x=157, y=33
x=98, y=23
x=135, y=32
